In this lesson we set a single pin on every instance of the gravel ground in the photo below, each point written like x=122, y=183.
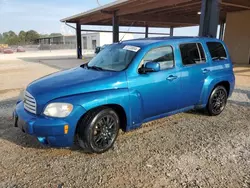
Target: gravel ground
x=185, y=150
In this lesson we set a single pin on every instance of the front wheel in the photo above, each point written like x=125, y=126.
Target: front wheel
x=98, y=130
x=217, y=101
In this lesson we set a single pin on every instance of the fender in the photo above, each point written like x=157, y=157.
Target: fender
x=211, y=82
x=100, y=98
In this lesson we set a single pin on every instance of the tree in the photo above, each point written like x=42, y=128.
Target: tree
x=5, y=36
x=9, y=34
x=10, y=38
x=55, y=34
x=31, y=36
x=22, y=37
x=1, y=39
x=13, y=40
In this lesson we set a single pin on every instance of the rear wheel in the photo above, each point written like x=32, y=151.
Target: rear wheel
x=217, y=101
x=98, y=130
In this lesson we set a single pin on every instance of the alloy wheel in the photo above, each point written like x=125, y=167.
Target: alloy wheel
x=219, y=101
x=104, y=132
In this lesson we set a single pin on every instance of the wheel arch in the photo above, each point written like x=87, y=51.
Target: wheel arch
x=225, y=84
x=212, y=83
x=116, y=107
x=210, y=87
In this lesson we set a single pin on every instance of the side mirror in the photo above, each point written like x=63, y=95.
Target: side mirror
x=150, y=67
x=97, y=50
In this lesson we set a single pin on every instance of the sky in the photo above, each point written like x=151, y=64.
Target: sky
x=44, y=16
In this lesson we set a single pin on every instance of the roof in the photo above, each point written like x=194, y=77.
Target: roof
x=153, y=40
x=176, y=13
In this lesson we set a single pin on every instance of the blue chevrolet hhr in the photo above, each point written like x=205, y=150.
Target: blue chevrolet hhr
x=125, y=85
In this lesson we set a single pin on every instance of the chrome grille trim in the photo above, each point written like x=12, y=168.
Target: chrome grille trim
x=29, y=102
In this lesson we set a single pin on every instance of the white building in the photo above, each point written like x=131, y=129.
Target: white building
x=91, y=40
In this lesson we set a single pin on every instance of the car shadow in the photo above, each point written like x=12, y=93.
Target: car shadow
x=200, y=112
x=243, y=98
x=243, y=91
x=245, y=104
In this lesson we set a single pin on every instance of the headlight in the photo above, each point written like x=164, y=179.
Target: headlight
x=58, y=109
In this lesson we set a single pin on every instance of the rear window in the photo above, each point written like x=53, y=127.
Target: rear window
x=217, y=51
x=192, y=53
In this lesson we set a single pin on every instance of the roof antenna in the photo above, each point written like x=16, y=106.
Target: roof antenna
x=98, y=2
x=127, y=31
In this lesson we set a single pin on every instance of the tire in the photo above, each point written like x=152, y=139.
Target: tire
x=98, y=130
x=217, y=101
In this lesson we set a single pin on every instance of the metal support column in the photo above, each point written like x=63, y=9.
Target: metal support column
x=146, y=31
x=78, y=41
x=209, y=18
x=171, y=31
x=115, y=22
x=222, y=29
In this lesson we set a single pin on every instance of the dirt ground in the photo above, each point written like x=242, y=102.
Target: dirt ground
x=185, y=150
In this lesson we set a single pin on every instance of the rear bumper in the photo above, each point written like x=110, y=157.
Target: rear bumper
x=232, y=86
x=49, y=131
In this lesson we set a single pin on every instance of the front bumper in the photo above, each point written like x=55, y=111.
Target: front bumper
x=49, y=131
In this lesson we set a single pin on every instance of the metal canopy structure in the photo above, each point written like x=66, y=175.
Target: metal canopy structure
x=160, y=13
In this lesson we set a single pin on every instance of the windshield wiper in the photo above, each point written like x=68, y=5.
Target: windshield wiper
x=96, y=68
x=85, y=65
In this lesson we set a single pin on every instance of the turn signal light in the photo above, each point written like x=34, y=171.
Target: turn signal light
x=66, y=129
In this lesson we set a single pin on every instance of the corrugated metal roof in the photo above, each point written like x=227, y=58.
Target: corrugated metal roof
x=154, y=13
x=109, y=5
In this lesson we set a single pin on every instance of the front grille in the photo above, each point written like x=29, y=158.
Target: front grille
x=29, y=102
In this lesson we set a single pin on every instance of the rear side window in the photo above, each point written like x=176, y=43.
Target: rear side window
x=163, y=55
x=217, y=51
x=192, y=53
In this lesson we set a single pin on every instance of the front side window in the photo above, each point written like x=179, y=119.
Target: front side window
x=163, y=55
x=192, y=53
x=115, y=57
x=217, y=51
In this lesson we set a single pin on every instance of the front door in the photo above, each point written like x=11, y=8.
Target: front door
x=158, y=92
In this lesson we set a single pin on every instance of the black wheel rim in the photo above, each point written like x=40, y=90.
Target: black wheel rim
x=105, y=132
x=219, y=101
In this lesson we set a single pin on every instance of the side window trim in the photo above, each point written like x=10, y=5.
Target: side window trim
x=201, y=47
x=168, y=45
x=198, y=48
x=199, y=51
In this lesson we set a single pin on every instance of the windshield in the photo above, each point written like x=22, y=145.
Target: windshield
x=115, y=57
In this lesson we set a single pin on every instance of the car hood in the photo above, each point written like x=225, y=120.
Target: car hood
x=75, y=81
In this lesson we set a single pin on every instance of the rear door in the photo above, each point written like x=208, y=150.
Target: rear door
x=194, y=70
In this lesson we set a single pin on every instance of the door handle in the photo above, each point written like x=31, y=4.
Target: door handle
x=171, y=77
x=205, y=71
